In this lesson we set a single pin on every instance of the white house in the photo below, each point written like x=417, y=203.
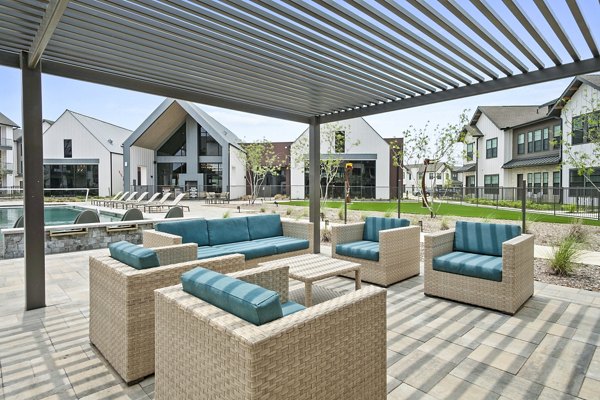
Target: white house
x=84, y=152
x=7, y=170
x=437, y=176
x=359, y=144
x=180, y=147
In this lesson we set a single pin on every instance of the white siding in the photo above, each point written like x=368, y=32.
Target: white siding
x=237, y=173
x=492, y=166
x=117, y=173
x=141, y=157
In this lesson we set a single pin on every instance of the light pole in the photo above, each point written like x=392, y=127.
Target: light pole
x=348, y=171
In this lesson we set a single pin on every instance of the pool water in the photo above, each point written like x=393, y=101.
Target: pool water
x=53, y=215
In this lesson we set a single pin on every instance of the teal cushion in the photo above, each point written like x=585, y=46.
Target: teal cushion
x=470, y=264
x=210, y=252
x=133, y=255
x=250, y=302
x=365, y=249
x=375, y=224
x=190, y=230
x=290, y=307
x=483, y=238
x=227, y=230
x=285, y=244
x=249, y=249
x=264, y=226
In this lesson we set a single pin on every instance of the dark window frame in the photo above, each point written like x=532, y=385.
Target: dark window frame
x=68, y=148
x=491, y=148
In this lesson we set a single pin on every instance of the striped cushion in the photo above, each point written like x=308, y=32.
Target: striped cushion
x=249, y=249
x=284, y=244
x=365, y=249
x=375, y=224
x=482, y=238
x=469, y=264
x=133, y=255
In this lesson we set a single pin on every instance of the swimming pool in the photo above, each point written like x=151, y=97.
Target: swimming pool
x=53, y=215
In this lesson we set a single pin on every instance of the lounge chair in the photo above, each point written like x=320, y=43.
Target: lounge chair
x=106, y=201
x=133, y=214
x=134, y=204
x=174, y=203
x=119, y=204
x=96, y=202
x=20, y=223
x=87, y=217
x=129, y=198
x=157, y=203
x=174, y=212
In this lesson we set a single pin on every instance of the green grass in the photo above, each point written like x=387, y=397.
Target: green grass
x=457, y=210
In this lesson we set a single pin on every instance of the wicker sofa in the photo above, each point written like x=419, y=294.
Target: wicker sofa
x=259, y=238
x=387, y=248
x=334, y=350
x=488, y=265
x=122, y=304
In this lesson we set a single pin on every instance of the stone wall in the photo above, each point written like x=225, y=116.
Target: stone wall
x=96, y=237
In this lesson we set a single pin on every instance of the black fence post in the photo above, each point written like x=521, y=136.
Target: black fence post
x=523, y=205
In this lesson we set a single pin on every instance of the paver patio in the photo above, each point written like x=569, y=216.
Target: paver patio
x=436, y=348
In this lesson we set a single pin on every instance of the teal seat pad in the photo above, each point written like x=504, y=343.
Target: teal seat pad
x=249, y=249
x=483, y=238
x=227, y=230
x=470, y=264
x=190, y=230
x=290, y=307
x=285, y=244
x=247, y=301
x=375, y=224
x=365, y=249
x=211, y=251
x=264, y=226
x=133, y=255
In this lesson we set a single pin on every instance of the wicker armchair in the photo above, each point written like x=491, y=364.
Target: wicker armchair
x=122, y=304
x=506, y=296
x=399, y=253
x=334, y=350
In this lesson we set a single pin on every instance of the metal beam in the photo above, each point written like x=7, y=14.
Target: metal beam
x=314, y=180
x=583, y=27
x=50, y=20
x=510, y=82
x=33, y=187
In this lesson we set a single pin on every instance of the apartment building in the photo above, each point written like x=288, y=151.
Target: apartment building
x=7, y=170
x=437, y=176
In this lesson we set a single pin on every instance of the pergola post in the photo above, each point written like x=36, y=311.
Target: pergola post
x=33, y=187
x=314, y=180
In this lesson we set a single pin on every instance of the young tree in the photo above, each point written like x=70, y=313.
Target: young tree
x=260, y=160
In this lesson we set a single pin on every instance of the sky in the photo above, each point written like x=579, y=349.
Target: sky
x=129, y=109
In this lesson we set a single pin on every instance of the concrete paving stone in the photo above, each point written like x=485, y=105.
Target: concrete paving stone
x=555, y=373
x=90, y=377
x=150, y=390
x=503, y=360
x=118, y=392
x=421, y=333
x=590, y=389
x=147, y=382
x=38, y=387
x=401, y=343
x=566, y=350
x=66, y=395
x=393, y=357
x=586, y=336
x=581, y=317
x=512, y=345
x=421, y=370
x=520, y=330
x=452, y=388
x=561, y=330
x=553, y=394
x=493, y=379
x=405, y=391
x=594, y=367
x=392, y=383
x=445, y=350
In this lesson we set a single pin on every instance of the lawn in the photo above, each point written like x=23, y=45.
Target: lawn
x=412, y=207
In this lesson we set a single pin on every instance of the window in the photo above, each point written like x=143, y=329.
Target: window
x=409, y=176
x=529, y=182
x=471, y=181
x=340, y=142
x=546, y=139
x=419, y=175
x=545, y=182
x=207, y=145
x=576, y=180
x=175, y=145
x=68, y=148
x=439, y=176
x=213, y=176
x=530, y=142
x=491, y=148
x=168, y=173
x=537, y=140
x=586, y=128
x=469, y=151
x=72, y=176
x=537, y=182
x=431, y=174
x=578, y=129
x=521, y=143
x=556, y=182
x=491, y=183
x=557, y=137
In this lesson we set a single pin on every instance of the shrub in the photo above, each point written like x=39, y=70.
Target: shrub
x=262, y=209
x=577, y=232
x=288, y=211
x=389, y=213
x=444, y=224
x=562, y=261
x=363, y=217
x=325, y=235
x=341, y=213
x=226, y=214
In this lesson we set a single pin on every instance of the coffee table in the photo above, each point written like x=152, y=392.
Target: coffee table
x=309, y=268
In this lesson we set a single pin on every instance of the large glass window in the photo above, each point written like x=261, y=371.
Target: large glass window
x=521, y=143
x=491, y=148
x=207, y=145
x=586, y=127
x=72, y=176
x=362, y=180
x=469, y=151
x=576, y=180
x=213, y=176
x=490, y=183
x=68, y=148
x=168, y=173
x=175, y=145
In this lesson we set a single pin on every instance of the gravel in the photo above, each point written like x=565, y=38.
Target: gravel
x=585, y=276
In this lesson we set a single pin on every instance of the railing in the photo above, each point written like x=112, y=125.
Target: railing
x=6, y=168
x=6, y=142
x=15, y=192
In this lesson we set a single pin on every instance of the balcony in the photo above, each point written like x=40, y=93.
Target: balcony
x=6, y=168
x=6, y=144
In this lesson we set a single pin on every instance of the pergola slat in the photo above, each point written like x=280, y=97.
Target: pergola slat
x=557, y=28
x=583, y=27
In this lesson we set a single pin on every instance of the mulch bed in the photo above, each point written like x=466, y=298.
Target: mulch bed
x=585, y=276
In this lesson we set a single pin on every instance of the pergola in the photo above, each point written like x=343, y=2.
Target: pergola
x=306, y=61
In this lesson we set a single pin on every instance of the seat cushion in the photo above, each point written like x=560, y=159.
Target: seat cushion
x=285, y=244
x=290, y=307
x=133, y=255
x=483, y=238
x=375, y=224
x=250, y=302
x=190, y=230
x=210, y=252
x=365, y=249
x=249, y=249
x=227, y=230
x=264, y=226
x=470, y=264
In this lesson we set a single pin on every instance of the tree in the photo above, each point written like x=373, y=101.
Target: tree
x=260, y=160
x=430, y=146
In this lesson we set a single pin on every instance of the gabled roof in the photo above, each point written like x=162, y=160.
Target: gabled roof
x=110, y=136
x=505, y=117
x=175, y=110
x=4, y=120
x=591, y=80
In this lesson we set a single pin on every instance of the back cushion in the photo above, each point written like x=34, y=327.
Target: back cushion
x=482, y=238
x=264, y=226
x=190, y=230
x=227, y=230
x=375, y=224
x=133, y=255
x=245, y=300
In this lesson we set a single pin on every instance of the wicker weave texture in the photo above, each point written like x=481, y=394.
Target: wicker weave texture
x=506, y=296
x=122, y=305
x=334, y=350
x=399, y=253
x=274, y=278
x=153, y=238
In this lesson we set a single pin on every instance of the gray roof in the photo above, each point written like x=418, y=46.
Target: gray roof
x=505, y=117
x=109, y=135
x=465, y=168
x=591, y=79
x=533, y=161
x=4, y=120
